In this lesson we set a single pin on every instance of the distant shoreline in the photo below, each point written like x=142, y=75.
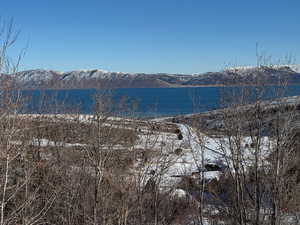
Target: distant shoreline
x=113, y=88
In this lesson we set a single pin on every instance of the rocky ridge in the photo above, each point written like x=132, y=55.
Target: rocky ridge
x=40, y=78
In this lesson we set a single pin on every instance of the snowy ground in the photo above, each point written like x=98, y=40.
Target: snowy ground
x=198, y=149
x=197, y=153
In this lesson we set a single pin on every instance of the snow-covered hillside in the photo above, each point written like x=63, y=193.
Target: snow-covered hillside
x=101, y=78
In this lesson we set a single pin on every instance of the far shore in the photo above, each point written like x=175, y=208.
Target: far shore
x=175, y=86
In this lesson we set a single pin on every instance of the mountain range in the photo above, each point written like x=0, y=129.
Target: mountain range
x=39, y=78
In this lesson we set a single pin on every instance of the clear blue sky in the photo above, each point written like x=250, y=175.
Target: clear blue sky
x=175, y=36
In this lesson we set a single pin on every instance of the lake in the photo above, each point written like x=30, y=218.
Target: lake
x=146, y=102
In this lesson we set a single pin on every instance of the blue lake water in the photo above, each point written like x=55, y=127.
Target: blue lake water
x=145, y=101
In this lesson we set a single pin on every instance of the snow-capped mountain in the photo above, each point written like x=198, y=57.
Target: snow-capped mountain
x=100, y=78
x=296, y=68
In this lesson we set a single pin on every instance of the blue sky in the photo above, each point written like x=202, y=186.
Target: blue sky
x=175, y=36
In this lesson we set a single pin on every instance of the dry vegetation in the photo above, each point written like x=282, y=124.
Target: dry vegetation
x=80, y=170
